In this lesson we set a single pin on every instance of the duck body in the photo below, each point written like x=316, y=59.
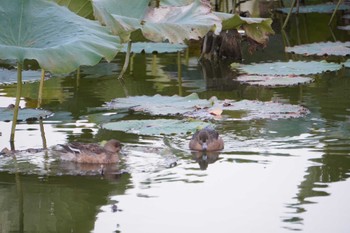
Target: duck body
x=206, y=139
x=91, y=153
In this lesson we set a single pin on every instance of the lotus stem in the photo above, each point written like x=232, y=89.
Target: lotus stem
x=290, y=12
x=334, y=12
x=126, y=62
x=179, y=72
x=41, y=86
x=18, y=98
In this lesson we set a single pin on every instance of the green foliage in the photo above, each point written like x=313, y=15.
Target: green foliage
x=155, y=127
x=289, y=68
x=58, y=39
x=321, y=49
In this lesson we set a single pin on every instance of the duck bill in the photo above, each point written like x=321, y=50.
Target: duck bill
x=204, y=146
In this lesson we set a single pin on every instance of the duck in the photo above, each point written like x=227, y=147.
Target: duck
x=206, y=139
x=90, y=153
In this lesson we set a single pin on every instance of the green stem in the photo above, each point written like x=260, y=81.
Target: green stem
x=179, y=72
x=290, y=12
x=41, y=86
x=334, y=12
x=126, y=62
x=18, y=98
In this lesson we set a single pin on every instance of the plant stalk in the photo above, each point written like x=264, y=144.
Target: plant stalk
x=126, y=62
x=41, y=87
x=290, y=12
x=18, y=98
x=334, y=12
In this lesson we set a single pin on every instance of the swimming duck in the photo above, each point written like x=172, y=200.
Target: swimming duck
x=206, y=139
x=91, y=152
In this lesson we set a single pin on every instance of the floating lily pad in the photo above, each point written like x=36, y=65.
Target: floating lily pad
x=321, y=49
x=288, y=68
x=6, y=114
x=149, y=47
x=155, y=127
x=159, y=105
x=347, y=63
x=321, y=8
x=193, y=107
x=346, y=28
x=10, y=76
x=273, y=81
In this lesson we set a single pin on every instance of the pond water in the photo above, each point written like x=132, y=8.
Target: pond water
x=273, y=175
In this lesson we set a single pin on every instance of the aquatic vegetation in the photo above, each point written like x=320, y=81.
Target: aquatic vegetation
x=321, y=8
x=273, y=80
x=192, y=106
x=156, y=126
x=322, y=49
x=288, y=68
x=24, y=114
x=10, y=76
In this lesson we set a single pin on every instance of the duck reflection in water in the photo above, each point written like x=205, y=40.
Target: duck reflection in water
x=206, y=144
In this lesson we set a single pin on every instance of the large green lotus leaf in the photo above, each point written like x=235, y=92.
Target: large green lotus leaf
x=273, y=81
x=194, y=107
x=80, y=7
x=10, y=76
x=155, y=127
x=322, y=8
x=6, y=114
x=58, y=39
x=166, y=23
x=321, y=49
x=289, y=68
x=150, y=47
x=175, y=2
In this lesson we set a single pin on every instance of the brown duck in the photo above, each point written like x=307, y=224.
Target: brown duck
x=206, y=139
x=92, y=153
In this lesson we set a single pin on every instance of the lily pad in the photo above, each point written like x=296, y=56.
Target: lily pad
x=273, y=81
x=155, y=127
x=347, y=63
x=150, y=47
x=10, y=76
x=321, y=49
x=288, y=68
x=345, y=28
x=25, y=114
x=190, y=21
x=321, y=8
x=194, y=107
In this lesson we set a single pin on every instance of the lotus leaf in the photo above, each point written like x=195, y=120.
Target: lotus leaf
x=155, y=127
x=273, y=81
x=145, y=47
x=321, y=49
x=257, y=29
x=346, y=28
x=194, y=107
x=321, y=8
x=10, y=76
x=172, y=23
x=347, y=63
x=289, y=68
x=6, y=114
x=58, y=39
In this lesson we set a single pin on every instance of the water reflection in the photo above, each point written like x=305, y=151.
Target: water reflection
x=205, y=158
x=53, y=204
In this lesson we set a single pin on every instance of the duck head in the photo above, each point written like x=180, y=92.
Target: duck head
x=113, y=146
